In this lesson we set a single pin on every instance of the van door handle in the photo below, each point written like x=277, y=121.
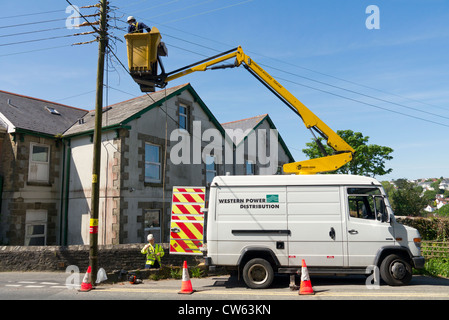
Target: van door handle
x=352, y=231
x=332, y=233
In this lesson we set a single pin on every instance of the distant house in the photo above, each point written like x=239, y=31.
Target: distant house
x=149, y=145
x=426, y=185
x=31, y=158
x=444, y=184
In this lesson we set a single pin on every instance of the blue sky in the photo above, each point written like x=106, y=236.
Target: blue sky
x=391, y=83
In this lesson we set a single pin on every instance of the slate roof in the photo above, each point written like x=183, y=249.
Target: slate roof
x=246, y=125
x=31, y=114
x=119, y=114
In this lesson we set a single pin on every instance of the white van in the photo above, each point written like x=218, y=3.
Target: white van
x=339, y=224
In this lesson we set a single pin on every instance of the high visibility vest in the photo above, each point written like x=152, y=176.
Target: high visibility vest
x=152, y=252
x=136, y=30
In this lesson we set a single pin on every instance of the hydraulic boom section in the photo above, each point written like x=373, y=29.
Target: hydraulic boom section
x=144, y=72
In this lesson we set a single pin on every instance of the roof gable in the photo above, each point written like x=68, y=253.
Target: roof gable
x=249, y=125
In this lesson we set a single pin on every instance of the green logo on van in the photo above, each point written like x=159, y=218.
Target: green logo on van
x=272, y=198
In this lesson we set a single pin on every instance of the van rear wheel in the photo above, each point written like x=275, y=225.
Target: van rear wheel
x=258, y=273
x=396, y=271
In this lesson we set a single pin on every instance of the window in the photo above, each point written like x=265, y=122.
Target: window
x=211, y=170
x=39, y=165
x=183, y=117
x=152, y=163
x=35, y=227
x=152, y=224
x=367, y=203
x=250, y=167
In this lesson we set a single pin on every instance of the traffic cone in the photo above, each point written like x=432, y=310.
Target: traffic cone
x=306, y=285
x=186, y=287
x=87, y=285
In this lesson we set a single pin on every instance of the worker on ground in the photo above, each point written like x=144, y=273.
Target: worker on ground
x=136, y=27
x=154, y=253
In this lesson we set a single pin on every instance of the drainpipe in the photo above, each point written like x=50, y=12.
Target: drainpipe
x=65, y=192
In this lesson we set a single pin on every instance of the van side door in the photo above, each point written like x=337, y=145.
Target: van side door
x=367, y=229
x=251, y=218
x=316, y=225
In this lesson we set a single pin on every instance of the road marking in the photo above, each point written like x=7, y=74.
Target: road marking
x=384, y=294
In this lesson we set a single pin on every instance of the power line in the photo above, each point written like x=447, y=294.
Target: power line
x=356, y=100
x=304, y=68
x=30, y=32
x=355, y=92
x=35, y=50
x=44, y=39
x=32, y=23
x=31, y=14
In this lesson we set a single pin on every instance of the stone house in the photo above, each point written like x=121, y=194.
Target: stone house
x=31, y=152
x=149, y=145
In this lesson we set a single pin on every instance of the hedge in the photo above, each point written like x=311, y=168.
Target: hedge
x=429, y=228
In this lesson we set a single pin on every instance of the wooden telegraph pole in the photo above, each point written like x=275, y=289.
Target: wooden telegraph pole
x=95, y=197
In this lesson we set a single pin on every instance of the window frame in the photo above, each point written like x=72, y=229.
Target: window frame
x=35, y=218
x=214, y=170
x=39, y=164
x=147, y=230
x=185, y=116
x=149, y=179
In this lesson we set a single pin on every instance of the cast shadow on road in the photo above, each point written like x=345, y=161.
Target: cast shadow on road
x=283, y=281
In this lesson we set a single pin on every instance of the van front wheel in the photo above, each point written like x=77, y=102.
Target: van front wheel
x=258, y=273
x=396, y=271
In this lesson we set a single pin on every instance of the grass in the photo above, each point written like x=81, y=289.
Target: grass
x=436, y=267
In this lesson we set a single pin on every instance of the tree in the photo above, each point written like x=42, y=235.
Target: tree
x=368, y=160
x=443, y=211
x=407, y=200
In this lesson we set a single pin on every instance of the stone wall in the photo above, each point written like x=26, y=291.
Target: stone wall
x=57, y=258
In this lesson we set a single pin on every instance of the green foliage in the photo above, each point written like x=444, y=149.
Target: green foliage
x=176, y=273
x=369, y=159
x=435, y=268
x=443, y=211
x=197, y=272
x=407, y=199
x=429, y=228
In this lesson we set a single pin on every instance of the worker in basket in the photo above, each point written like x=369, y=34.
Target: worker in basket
x=136, y=27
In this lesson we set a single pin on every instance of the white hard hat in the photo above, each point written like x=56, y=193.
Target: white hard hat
x=150, y=237
x=130, y=18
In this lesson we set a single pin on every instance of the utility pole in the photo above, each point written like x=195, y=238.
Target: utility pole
x=95, y=196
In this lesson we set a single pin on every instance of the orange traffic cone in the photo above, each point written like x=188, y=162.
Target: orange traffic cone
x=306, y=285
x=186, y=287
x=87, y=285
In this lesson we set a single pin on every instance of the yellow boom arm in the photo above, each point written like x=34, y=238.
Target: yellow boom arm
x=343, y=152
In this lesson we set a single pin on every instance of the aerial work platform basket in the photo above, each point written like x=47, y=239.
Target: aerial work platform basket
x=144, y=50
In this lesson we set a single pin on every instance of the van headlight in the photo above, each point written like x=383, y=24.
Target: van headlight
x=417, y=241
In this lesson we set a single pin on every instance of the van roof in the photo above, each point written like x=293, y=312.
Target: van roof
x=281, y=180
